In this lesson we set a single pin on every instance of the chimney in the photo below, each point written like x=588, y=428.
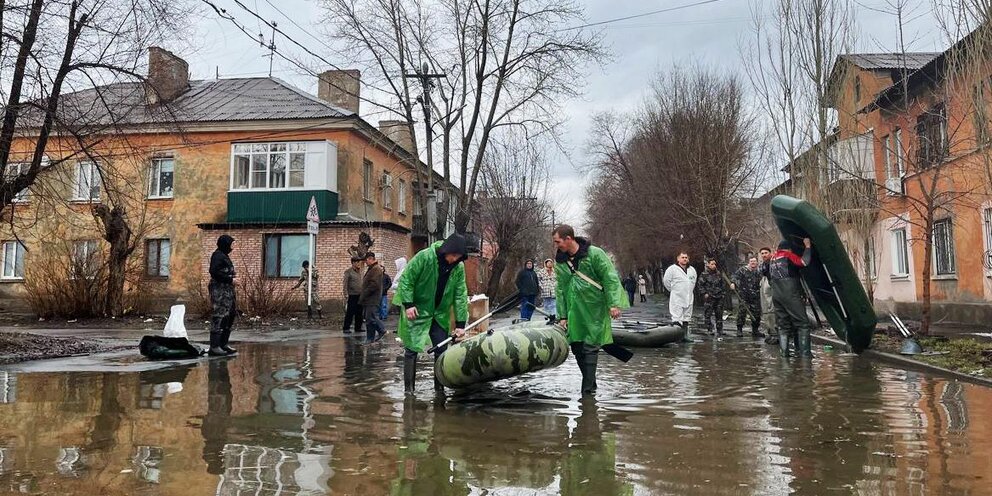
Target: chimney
x=340, y=88
x=399, y=132
x=168, y=76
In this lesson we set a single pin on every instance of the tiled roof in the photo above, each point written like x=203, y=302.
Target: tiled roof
x=909, y=60
x=220, y=100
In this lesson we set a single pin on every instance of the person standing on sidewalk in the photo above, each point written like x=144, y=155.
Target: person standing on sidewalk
x=680, y=280
x=528, y=286
x=353, y=288
x=713, y=288
x=370, y=298
x=387, y=283
x=432, y=285
x=747, y=283
x=642, y=288
x=630, y=286
x=588, y=296
x=315, y=296
x=787, y=296
x=549, y=287
x=222, y=297
x=767, y=308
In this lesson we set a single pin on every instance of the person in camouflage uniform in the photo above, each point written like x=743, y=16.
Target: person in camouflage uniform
x=747, y=283
x=713, y=288
x=222, y=297
x=315, y=298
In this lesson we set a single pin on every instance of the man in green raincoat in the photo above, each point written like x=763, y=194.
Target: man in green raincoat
x=432, y=284
x=589, y=295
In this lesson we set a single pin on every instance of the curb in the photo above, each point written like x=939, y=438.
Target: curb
x=905, y=362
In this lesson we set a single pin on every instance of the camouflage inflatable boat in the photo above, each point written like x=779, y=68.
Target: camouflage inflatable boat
x=507, y=352
x=645, y=334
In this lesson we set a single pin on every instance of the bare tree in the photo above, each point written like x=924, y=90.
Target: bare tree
x=498, y=64
x=513, y=207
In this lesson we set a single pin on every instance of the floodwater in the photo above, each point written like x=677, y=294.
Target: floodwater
x=329, y=416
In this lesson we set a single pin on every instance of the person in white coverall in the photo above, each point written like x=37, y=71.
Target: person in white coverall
x=680, y=280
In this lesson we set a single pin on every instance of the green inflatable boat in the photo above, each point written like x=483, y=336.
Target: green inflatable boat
x=831, y=277
x=507, y=352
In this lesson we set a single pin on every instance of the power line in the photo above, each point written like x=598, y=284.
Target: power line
x=635, y=16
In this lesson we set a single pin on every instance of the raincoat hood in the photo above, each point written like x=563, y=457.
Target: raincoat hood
x=455, y=244
x=224, y=243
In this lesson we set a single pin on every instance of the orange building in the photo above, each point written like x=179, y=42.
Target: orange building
x=190, y=160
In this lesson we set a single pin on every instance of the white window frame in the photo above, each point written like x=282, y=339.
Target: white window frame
x=952, y=256
x=155, y=177
x=987, y=231
x=289, y=152
x=83, y=252
x=387, y=190
x=16, y=169
x=900, y=252
x=163, y=252
x=900, y=156
x=19, y=253
x=367, y=173
x=401, y=194
x=88, y=177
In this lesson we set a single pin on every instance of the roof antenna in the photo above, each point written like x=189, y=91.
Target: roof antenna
x=272, y=47
x=216, y=72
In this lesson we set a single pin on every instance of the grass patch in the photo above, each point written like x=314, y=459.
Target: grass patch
x=962, y=355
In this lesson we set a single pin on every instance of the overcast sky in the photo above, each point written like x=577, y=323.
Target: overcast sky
x=708, y=34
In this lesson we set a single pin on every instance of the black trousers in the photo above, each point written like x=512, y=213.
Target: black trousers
x=437, y=334
x=353, y=312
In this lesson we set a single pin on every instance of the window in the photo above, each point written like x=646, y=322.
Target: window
x=367, y=180
x=85, y=259
x=417, y=205
x=161, y=177
x=285, y=253
x=158, y=253
x=401, y=200
x=14, y=170
x=943, y=247
x=897, y=150
x=387, y=190
x=857, y=90
x=931, y=133
x=13, y=260
x=269, y=165
x=987, y=216
x=900, y=253
x=87, y=181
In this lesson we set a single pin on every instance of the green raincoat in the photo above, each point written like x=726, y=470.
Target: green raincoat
x=418, y=285
x=586, y=307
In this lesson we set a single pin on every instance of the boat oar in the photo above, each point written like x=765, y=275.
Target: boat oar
x=612, y=349
x=506, y=304
x=732, y=288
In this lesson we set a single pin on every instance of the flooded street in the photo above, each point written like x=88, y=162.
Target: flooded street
x=329, y=416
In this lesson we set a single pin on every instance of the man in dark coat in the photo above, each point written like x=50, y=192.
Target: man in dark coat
x=370, y=298
x=353, y=288
x=222, y=297
x=529, y=287
x=630, y=286
x=713, y=288
x=747, y=283
x=787, y=296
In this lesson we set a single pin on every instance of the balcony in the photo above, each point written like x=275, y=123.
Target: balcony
x=279, y=206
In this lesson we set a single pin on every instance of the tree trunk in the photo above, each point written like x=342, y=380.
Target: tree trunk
x=927, y=267
x=496, y=270
x=117, y=232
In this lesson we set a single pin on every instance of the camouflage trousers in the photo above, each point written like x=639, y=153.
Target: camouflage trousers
x=713, y=310
x=224, y=305
x=749, y=308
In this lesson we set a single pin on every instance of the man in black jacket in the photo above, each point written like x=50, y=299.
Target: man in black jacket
x=222, y=297
x=713, y=288
x=528, y=287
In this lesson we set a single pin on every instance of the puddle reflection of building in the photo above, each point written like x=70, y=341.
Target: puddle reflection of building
x=270, y=471
x=8, y=387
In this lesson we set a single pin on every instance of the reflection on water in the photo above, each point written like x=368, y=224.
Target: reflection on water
x=330, y=417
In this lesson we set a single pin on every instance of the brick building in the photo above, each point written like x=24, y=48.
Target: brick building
x=193, y=159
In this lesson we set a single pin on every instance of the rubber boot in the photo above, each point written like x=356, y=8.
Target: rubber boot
x=783, y=343
x=216, y=339
x=320, y=314
x=224, y=338
x=589, y=377
x=740, y=331
x=803, y=345
x=409, y=373
x=686, y=334
x=756, y=331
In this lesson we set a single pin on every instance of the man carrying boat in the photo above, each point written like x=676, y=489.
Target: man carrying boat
x=433, y=284
x=589, y=294
x=787, y=296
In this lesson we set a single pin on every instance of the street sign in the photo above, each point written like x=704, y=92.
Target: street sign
x=313, y=215
x=313, y=227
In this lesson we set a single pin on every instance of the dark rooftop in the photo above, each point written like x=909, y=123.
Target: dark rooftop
x=909, y=60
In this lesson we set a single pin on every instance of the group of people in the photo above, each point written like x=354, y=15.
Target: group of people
x=768, y=289
x=367, y=296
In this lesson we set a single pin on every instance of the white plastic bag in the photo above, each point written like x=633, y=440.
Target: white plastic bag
x=175, y=327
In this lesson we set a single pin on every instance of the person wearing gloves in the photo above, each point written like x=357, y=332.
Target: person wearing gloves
x=222, y=297
x=589, y=294
x=787, y=296
x=432, y=284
